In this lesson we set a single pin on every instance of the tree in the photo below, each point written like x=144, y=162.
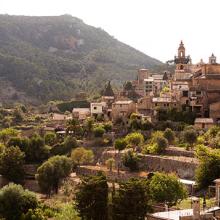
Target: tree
x=120, y=144
x=157, y=144
x=11, y=164
x=131, y=201
x=209, y=167
x=92, y=198
x=72, y=125
x=33, y=214
x=110, y=163
x=82, y=156
x=135, y=122
x=50, y=138
x=130, y=160
x=67, y=212
x=161, y=144
x=18, y=115
x=51, y=173
x=169, y=135
x=135, y=139
x=107, y=126
x=22, y=143
x=69, y=143
x=99, y=131
x=6, y=133
x=167, y=188
x=190, y=136
x=37, y=151
x=15, y=201
x=89, y=124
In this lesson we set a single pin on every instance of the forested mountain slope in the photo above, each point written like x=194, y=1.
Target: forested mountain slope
x=52, y=58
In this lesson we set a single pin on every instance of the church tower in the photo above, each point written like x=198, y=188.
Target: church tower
x=182, y=62
x=212, y=59
x=181, y=50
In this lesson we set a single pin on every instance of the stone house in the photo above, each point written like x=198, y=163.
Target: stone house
x=123, y=109
x=144, y=106
x=97, y=108
x=81, y=113
x=203, y=123
x=214, y=111
x=164, y=102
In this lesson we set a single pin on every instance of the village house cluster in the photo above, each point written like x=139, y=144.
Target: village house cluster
x=192, y=87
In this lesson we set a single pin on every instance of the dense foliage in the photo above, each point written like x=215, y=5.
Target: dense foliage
x=130, y=159
x=209, y=166
x=15, y=201
x=51, y=173
x=82, y=156
x=92, y=198
x=11, y=164
x=131, y=201
x=167, y=188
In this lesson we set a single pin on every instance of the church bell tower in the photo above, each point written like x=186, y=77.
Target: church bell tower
x=182, y=62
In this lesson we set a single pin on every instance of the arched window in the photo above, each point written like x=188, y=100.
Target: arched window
x=181, y=67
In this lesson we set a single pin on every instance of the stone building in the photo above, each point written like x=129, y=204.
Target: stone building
x=183, y=64
x=123, y=109
x=197, y=87
x=144, y=106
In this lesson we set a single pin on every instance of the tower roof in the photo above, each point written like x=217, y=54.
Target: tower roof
x=181, y=45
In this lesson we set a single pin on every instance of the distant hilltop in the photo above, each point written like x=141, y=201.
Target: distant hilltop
x=52, y=58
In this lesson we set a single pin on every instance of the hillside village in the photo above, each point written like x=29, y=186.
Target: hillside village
x=191, y=88
x=150, y=150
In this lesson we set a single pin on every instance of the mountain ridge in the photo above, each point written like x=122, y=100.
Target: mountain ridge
x=54, y=57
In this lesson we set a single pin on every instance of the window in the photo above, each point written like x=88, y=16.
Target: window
x=185, y=93
x=95, y=108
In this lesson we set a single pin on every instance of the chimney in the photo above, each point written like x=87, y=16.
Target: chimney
x=196, y=208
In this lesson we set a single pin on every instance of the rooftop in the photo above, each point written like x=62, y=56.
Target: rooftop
x=174, y=215
x=149, y=79
x=82, y=110
x=204, y=120
x=162, y=99
x=124, y=102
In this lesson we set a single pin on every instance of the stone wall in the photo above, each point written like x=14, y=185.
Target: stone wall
x=123, y=175
x=177, y=151
x=184, y=167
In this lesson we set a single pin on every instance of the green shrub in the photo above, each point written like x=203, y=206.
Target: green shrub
x=99, y=131
x=51, y=173
x=169, y=135
x=11, y=164
x=130, y=160
x=50, y=138
x=15, y=201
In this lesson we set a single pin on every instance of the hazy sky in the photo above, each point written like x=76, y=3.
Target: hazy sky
x=152, y=26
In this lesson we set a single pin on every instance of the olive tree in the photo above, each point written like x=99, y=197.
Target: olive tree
x=51, y=173
x=82, y=156
x=11, y=164
x=15, y=201
x=167, y=188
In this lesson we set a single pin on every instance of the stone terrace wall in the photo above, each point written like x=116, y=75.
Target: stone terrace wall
x=184, y=167
x=87, y=170
x=177, y=151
